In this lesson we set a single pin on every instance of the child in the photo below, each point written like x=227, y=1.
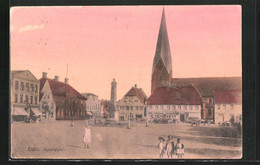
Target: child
x=87, y=136
x=161, y=146
x=179, y=148
x=170, y=146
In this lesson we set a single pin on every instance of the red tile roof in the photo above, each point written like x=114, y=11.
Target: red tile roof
x=60, y=89
x=206, y=86
x=228, y=96
x=185, y=95
x=137, y=92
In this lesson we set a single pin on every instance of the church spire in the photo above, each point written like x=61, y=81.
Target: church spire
x=162, y=62
x=163, y=47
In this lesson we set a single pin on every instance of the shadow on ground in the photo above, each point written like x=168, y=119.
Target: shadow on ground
x=213, y=152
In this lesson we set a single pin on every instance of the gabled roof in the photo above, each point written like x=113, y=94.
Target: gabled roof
x=60, y=89
x=228, y=96
x=185, y=95
x=206, y=86
x=163, y=51
x=137, y=92
x=18, y=73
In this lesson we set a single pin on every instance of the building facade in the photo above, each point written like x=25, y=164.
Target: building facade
x=104, y=108
x=24, y=90
x=228, y=106
x=60, y=101
x=93, y=104
x=206, y=87
x=177, y=104
x=162, y=62
x=132, y=105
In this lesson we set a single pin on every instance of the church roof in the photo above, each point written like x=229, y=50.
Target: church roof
x=206, y=86
x=137, y=92
x=60, y=89
x=163, y=47
x=228, y=96
x=185, y=95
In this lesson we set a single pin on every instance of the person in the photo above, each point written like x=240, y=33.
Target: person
x=169, y=146
x=87, y=136
x=179, y=148
x=161, y=146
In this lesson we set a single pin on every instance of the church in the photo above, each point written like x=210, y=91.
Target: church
x=162, y=77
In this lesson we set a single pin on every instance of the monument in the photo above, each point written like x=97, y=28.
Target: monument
x=113, y=113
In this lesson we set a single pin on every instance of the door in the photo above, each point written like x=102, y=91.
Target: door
x=182, y=117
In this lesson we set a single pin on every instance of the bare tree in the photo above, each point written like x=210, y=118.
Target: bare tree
x=71, y=105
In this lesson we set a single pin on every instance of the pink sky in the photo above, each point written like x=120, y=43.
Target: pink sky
x=100, y=43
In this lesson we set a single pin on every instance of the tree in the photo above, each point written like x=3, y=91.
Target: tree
x=71, y=105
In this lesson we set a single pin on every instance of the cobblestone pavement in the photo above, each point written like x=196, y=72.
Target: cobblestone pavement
x=59, y=140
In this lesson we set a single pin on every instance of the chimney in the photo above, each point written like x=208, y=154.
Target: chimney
x=135, y=86
x=44, y=75
x=56, y=78
x=66, y=80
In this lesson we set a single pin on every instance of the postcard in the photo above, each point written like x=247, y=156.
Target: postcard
x=126, y=82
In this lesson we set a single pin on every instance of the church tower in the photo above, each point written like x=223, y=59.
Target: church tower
x=162, y=62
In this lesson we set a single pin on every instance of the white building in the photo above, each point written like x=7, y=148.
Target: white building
x=93, y=105
x=228, y=106
x=132, y=105
x=175, y=104
x=24, y=90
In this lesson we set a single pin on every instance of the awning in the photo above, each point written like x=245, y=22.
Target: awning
x=19, y=111
x=36, y=111
x=89, y=113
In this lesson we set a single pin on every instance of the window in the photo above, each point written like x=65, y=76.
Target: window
x=131, y=107
x=210, y=100
x=26, y=99
x=22, y=86
x=16, y=85
x=190, y=107
x=35, y=100
x=32, y=87
x=15, y=98
x=156, y=107
x=179, y=106
x=127, y=107
x=174, y=107
x=137, y=108
x=232, y=106
x=31, y=99
x=27, y=87
x=161, y=106
x=209, y=113
x=51, y=105
x=21, y=98
x=48, y=96
x=136, y=100
x=185, y=107
x=36, y=88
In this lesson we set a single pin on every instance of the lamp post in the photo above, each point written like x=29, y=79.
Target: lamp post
x=129, y=124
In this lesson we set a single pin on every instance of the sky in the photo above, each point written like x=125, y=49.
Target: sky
x=99, y=43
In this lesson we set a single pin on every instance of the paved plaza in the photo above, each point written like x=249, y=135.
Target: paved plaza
x=57, y=139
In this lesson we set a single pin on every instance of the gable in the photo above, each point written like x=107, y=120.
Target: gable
x=25, y=75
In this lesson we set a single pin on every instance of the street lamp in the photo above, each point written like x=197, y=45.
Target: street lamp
x=129, y=125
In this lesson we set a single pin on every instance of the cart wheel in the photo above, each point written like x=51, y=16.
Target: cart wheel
x=31, y=120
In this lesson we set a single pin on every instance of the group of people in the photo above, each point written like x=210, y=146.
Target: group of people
x=169, y=148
